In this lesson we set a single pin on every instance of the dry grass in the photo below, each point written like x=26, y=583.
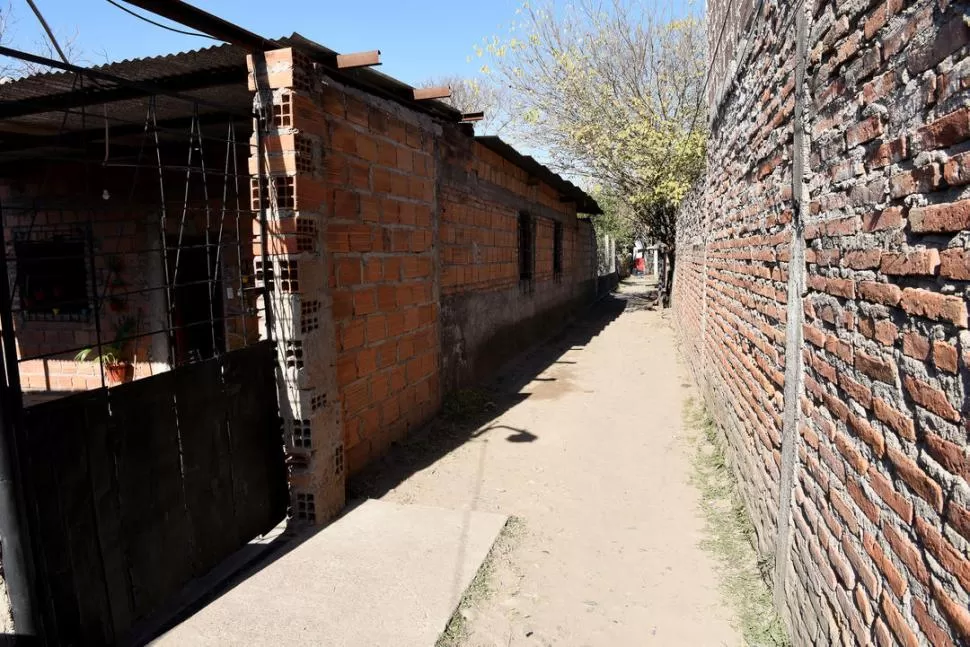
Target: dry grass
x=456, y=632
x=729, y=537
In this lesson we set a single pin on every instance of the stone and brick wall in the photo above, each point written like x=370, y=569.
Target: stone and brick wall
x=854, y=461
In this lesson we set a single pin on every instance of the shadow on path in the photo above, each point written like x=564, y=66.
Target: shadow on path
x=468, y=413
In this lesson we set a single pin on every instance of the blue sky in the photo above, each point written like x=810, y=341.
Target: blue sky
x=418, y=39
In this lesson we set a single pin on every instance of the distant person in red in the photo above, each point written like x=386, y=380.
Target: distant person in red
x=640, y=266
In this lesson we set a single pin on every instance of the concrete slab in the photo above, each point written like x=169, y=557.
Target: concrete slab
x=384, y=574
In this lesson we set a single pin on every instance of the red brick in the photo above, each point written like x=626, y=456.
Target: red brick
x=916, y=478
x=883, y=637
x=885, y=293
x=366, y=362
x=879, y=87
x=937, y=636
x=957, y=614
x=862, y=500
x=356, y=396
x=352, y=335
x=891, y=218
x=894, y=579
x=886, y=332
x=365, y=301
x=920, y=180
x=913, y=262
x=907, y=553
x=947, y=217
x=955, y=264
x=933, y=305
x=945, y=356
x=888, y=153
x=950, y=455
x=814, y=335
x=868, y=434
x=862, y=259
x=346, y=369
x=858, y=392
x=946, y=131
x=897, y=623
x=956, y=171
x=844, y=511
x=376, y=328
x=864, y=131
x=916, y=345
x=876, y=367
x=930, y=398
x=958, y=517
x=901, y=423
x=950, y=558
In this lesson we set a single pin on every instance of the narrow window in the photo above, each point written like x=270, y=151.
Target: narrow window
x=527, y=247
x=52, y=278
x=557, y=250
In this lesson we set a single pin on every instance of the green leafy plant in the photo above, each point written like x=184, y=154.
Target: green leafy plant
x=115, y=351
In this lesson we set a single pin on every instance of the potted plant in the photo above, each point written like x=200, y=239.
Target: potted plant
x=113, y=355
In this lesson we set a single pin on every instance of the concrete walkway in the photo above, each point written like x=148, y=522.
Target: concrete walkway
x=585, y=446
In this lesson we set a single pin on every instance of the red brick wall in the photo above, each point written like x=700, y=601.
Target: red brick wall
x=381, y=200
x=398, y=212
x=488, y=313
x=878, y=522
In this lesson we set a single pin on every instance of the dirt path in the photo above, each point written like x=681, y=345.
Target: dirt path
x=584, y=443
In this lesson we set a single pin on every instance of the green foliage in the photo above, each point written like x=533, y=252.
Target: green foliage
x=616, y=221
x=114, y=351
x=612, y=92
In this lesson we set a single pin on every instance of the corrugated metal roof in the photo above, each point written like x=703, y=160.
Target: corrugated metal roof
x=227, y=57
x=151, y=68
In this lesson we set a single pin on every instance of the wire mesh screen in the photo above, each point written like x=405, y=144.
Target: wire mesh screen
x=130, y=264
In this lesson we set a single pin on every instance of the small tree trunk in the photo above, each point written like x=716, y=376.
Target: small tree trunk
x=670, y=257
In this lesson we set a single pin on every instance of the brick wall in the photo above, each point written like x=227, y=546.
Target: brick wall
x=121, y=263
x=380, y=237
x=395, y=222
x=488, y=313
x=853, y=451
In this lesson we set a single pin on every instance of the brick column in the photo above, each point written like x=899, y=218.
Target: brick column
x=293, y=148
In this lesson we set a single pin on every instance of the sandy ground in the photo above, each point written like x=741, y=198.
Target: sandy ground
x=583, y=441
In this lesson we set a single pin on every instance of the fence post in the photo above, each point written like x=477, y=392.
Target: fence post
x=14, y=530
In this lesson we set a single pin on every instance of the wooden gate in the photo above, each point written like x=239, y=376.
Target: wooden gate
x=135, y=490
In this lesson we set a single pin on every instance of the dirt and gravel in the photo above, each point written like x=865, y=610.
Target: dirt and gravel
x=583, y=442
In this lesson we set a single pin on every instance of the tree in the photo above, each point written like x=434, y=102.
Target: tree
x=613, y=92
x=477, y=95
x=12, y=68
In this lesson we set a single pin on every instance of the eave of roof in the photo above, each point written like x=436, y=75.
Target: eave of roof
x=222, y=59
x=584, y=202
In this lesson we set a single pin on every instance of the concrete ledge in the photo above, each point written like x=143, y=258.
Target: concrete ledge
x=383, y=574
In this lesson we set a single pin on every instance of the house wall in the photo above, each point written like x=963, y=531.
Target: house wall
x=403, y=230
x=123, y=251
x=821, y=294
x=487, y=314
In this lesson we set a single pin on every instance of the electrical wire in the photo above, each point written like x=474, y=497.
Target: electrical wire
x=158, y=24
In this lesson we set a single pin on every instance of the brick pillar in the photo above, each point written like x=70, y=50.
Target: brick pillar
x=293, y=149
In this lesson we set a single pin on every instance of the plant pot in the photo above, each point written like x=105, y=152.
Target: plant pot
x=120, y=372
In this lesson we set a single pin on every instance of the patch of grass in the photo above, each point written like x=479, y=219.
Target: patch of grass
x=730, y=537
x=481, y=586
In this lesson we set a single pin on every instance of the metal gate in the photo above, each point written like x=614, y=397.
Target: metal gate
x=140, y=387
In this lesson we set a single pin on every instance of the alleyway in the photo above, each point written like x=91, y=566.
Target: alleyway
x=584, y=445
